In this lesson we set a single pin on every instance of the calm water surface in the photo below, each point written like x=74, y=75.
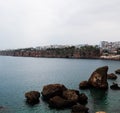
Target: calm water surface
x=21, y=74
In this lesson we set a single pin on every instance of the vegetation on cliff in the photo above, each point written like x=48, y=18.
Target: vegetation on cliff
x=86, y=51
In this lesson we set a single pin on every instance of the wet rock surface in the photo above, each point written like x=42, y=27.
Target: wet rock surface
x=52, y=90
x=84, y=85
x=98, y=79
x=111, y=76
x=32, y=97
x=71, y=95
x=60, y=97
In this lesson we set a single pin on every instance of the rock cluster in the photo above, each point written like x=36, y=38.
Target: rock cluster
x=58, y=96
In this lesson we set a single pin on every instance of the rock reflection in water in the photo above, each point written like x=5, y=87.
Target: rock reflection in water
x=99, y=99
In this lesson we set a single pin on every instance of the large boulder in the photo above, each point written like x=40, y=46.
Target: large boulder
x=52, y=90
x=79, y=109
x=117, y=71
x=111, y=76
x=98, y=79
x=84, y=85
x=32, y=97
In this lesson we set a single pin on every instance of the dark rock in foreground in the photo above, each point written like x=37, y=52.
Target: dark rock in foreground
x=111, y=76
x=52, y=90
x=71, y=95
x=83, y=99
x=98, y=79
x=115, y=86
x=84, y=85
x=68, y=99
x=79, y=109
x=32, y=97
x=59, y=97
x=117, y=71
x=58, y=102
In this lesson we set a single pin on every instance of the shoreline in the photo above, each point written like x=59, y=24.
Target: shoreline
x=113, y=57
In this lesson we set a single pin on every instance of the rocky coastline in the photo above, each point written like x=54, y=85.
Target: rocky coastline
x=50, y=54
x=58, y=96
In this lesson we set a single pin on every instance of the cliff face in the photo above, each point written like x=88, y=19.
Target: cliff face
x=67, y=52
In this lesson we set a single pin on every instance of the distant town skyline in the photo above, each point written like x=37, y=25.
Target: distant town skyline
x=32, y=23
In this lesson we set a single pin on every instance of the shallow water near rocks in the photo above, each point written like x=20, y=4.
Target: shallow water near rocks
x=21, y=74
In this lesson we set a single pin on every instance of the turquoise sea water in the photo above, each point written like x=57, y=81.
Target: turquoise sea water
x=21, y=74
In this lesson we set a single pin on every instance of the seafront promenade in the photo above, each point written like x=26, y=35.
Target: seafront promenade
x=111, y=57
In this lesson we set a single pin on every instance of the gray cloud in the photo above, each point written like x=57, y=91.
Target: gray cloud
x=25, y=23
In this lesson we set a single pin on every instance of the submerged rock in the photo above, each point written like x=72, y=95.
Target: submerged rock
x=111, y=76
x=32, y=97
x=98, y=79
x=115, y=86
x=52, y=90
x=79, y=109
x=84, y=85
x=117, y=71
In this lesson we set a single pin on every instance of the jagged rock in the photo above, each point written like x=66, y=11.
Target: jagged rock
x=79, y=109
x=98, y=79
x=117, y=71
x=84, y=85
x=52, y=90
x=115, y=86
x=111, y=76
x=59, y=102
x=83, y=98
x=32, y=97
x=71, y=95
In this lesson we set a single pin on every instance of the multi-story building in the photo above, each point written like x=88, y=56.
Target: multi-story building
x=111, y=47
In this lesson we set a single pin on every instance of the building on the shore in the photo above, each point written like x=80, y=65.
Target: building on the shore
x=110, y=47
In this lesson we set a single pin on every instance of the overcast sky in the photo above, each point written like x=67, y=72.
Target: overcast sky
x=31, y=23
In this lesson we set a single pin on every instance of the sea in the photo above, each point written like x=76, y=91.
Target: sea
x=19, y=75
